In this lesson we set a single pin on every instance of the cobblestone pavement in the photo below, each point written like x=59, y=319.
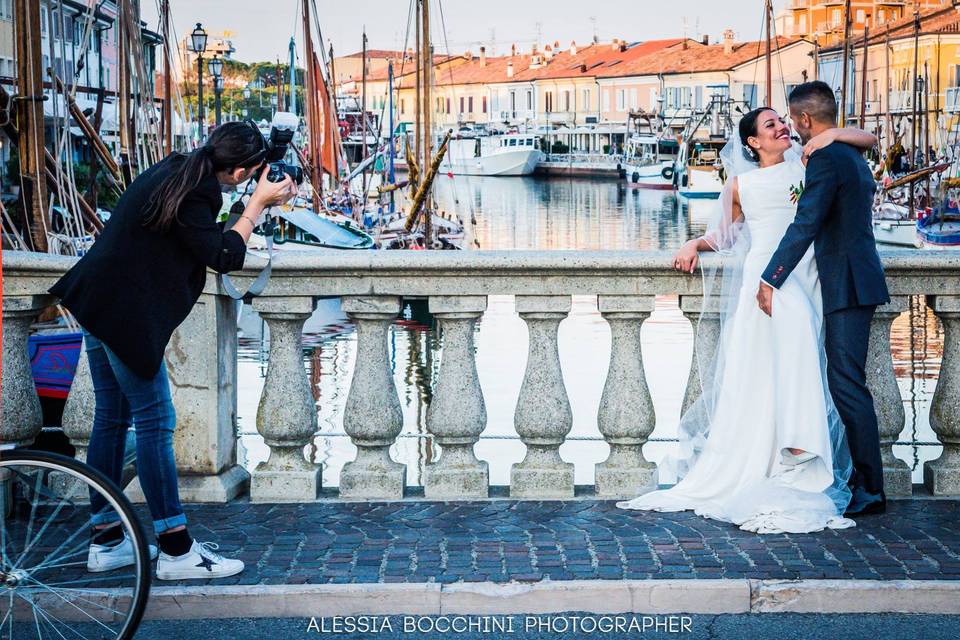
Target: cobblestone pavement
x=507, y=540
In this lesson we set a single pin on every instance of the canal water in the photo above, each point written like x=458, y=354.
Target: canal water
x=540, y=213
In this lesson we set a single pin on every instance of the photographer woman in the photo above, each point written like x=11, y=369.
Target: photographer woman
x=137, y=283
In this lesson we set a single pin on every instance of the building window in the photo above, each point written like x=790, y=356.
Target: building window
x=109, y=86
x=566, y=101
x=836, y=17
x=881, y=16
x=606, y=100
x=470, y=104
x=621, y=100
x=861, y=16
x=484, y=103
x=403, y=106
x=529, y=99
x=698, y=97
x=585, y=100
x=803, y=24
x=461, y=104
x=548, y=101
x=43, y=19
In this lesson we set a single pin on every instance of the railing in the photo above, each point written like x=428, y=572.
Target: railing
x=600, y=160
x=201, y=360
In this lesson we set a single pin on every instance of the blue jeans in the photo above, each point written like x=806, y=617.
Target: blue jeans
x=123, y=398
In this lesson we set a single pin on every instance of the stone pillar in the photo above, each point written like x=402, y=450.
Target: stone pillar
x=706, y=334
x=942, y=476
x=457, y=414
x=201, y=360
x=22, y=416
x=626, y=417
x=887, y=401
x=372, y=416
x=543, y=416
x=287, y=413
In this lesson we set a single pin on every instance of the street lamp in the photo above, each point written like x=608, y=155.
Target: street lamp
x=198, y=44
x=215, y=65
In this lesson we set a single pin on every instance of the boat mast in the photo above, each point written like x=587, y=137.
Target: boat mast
x=292, y=82
x=916, y=95
x=846, y=63
x=334, y=119
x=863, y=78
x=281, y=106
x=888, y=116
x=418, y=98
x=31, y=143
x=167, y=82
x=393, y=151
x=311, y=110
x=767, y=12
x=363, y=109
x=427, y=55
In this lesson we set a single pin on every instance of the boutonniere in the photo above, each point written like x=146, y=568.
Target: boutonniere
x=796, y=192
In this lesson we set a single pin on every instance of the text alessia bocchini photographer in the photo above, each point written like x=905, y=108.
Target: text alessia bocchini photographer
x=137, y=283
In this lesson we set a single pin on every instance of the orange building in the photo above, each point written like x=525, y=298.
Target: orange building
x=824, y=18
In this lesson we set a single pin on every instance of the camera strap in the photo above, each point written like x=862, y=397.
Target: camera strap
x=260, y=282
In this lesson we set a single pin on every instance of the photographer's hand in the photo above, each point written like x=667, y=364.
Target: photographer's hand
x=267, y=194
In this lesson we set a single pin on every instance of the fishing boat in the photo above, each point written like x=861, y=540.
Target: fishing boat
x=643, y=165
x=893, y=225
x=512, y=154
x=940, y=227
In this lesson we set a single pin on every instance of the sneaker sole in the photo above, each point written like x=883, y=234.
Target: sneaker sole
x=114, y=566
x=189, y=575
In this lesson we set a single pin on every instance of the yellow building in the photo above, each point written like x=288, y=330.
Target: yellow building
x=888, y=104
x=825, y=19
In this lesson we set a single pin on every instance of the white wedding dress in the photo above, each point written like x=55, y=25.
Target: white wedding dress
x=771, y=392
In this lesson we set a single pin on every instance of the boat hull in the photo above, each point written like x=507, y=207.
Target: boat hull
x=512, y=162
x=900, y=233
x=649, y=176
x=702, y=182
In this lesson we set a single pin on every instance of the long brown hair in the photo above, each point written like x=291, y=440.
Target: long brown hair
x=230, y=146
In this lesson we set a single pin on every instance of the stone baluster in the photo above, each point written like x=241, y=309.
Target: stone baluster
x=887, y=401
x=706, y=334
x=372, y=417
x=22, y=416
x=457, y=414
x=626, y=417
x=942, y=476
x=287, y=414
x=543, y=416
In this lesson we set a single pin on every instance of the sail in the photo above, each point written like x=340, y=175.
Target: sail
x=327, y=124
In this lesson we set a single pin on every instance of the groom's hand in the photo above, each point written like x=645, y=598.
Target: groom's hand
x=765, y=298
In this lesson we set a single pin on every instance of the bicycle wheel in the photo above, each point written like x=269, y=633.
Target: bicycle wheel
x=47, y=587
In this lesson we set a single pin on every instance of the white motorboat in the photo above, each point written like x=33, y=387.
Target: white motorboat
x=893, y=225
x=643, y=166
x=514, y=154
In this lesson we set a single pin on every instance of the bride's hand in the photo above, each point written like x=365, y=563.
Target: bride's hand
x=686, y=258
x=819, y=141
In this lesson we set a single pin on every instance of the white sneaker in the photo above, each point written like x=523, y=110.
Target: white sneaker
x=102, y=557
x=201, y=562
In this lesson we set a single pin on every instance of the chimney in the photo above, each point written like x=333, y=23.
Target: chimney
x=510, y=69
x=513, y=50
x=483, y=56
x=706, y=40
x=615, y=45
x=468, y=55
x=728, y=41
x=684, y=45
x=547, y=52
x=573, y=47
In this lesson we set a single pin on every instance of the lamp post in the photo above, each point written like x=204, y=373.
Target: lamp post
x=246, y=97
x=198, y=44
x=215, y=66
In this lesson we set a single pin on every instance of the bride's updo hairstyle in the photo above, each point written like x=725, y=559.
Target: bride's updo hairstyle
x=748, y=129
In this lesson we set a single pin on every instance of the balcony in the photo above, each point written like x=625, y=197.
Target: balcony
x=372, y=285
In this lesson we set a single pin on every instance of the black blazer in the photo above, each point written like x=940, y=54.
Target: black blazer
x=135, y=286
x=834, y=213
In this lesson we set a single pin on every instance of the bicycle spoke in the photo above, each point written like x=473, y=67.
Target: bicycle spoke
x=89, y=580
x=74, y=550
x=75, y=607
x=77, y=550
x=33, y=511
x=47, y=614
x=3, y=523
x=60, y=593
x=83, y=527
x=47, y=617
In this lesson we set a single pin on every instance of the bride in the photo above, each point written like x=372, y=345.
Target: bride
x=763, y=447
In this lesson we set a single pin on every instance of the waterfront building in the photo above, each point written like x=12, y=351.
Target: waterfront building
x=824, y=18
x=889, y=100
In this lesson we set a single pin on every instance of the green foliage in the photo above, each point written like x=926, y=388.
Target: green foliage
x=559, y=147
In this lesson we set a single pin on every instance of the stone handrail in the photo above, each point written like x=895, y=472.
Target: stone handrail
x=201, y=361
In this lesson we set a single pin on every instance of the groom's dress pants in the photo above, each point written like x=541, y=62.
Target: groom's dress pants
x=847, y=338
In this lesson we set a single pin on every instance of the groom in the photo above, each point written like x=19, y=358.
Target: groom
x=834, y=213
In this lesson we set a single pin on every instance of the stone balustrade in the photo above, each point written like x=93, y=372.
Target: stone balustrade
x=372, y=285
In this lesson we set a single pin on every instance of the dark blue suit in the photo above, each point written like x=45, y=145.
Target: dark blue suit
x=834, y=213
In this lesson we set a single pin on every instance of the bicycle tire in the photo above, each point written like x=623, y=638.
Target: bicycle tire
x=128, y=518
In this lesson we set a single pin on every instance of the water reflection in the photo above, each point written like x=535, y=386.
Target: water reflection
x=540, y=214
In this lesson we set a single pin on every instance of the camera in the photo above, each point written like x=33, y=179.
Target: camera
x=282, y=129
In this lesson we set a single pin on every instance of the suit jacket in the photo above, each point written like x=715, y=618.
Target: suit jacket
x=135, y=286
x=834, y=213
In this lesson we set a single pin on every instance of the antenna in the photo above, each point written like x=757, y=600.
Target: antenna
x=493, y=42
x=539, y=33
x=596, y=36
x=683, y=22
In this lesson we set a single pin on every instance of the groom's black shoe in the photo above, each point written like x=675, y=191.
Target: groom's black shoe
x=864, y=503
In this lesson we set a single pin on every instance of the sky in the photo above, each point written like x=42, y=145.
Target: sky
x=261, y=29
